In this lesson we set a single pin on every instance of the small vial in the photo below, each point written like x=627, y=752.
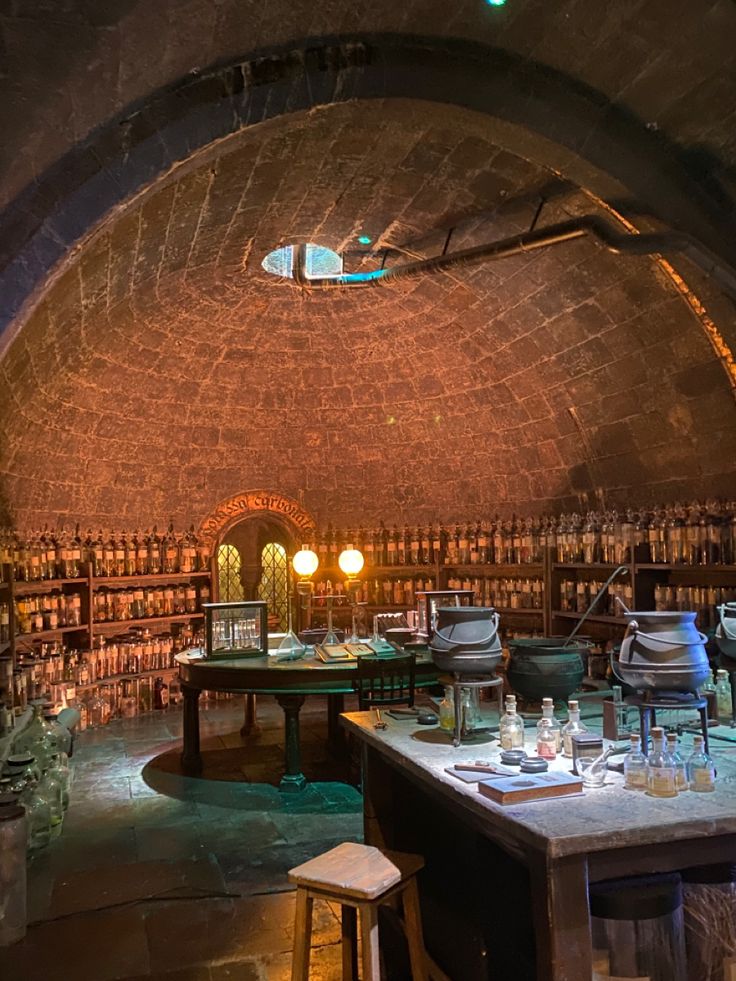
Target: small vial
x=511, y=727
x=635, y=766
x=572, y=727
x=546, y=740
x=548, y=713
x=701, y=770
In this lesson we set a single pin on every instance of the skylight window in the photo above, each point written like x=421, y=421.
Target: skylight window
x=320, y=262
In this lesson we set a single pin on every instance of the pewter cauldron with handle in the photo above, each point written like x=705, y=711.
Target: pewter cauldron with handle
x=662, y=651
x=466, y=641
x=726, y=634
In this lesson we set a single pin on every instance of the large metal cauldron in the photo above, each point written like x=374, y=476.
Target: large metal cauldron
x=465, y=640
x=726, y=635
x=542, y=667
x=662, y=651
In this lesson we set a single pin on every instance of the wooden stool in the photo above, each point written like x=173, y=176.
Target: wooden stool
x=359, y=877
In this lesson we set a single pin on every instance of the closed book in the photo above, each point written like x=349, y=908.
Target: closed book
x=530, y=786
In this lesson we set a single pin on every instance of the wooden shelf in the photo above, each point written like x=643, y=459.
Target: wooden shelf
x=532, y=569
x=518, y=611
x=593, y=618
x=50, y=634
x=125, y=624
x=45, y=585
x=592, y=567
x=112, y=678
x=682, y=567
x=154, y=579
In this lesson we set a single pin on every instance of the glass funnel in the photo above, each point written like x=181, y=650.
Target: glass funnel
x=290, y=648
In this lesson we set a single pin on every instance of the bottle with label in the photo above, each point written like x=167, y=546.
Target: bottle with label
x=572, y=727
x=546, y=739
x=160, y=694
x=548, y=715
x=660, y=768
x=701, y=770
x=511, y=727
x=635, y=765
x=681, y=778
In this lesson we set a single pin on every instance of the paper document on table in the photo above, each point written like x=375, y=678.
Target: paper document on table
x=334, y=652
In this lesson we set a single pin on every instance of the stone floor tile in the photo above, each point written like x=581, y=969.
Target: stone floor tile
x=325, y=965
x=125, y=883
x=107, y=946
x=170, y=842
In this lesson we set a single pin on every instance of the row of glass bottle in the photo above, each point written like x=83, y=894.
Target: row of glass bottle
x=51, y=554
x=38, y=774
x=661, y=773
x=692, y=534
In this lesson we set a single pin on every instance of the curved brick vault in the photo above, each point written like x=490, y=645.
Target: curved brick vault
x=164, y=371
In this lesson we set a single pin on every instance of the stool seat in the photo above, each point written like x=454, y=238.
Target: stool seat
x=361, y=878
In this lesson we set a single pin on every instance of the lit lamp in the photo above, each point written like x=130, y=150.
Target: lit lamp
x=304, y=564
x=351, y=563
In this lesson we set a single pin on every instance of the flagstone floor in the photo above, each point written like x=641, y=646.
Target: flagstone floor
x=163, y=877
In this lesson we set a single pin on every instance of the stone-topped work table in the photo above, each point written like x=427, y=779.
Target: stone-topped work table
x=506, y=887
x=289, y=681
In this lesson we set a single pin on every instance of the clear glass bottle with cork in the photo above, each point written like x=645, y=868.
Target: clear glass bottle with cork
x=660, y=768
x=635, y=765
x=572, y=727
x=546, y=739
x=681, y=779
x=701, y=770
x=511, y=727
x=548, y=713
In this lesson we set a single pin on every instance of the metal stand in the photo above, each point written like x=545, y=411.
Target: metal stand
x=458, y=682
x=648, y=705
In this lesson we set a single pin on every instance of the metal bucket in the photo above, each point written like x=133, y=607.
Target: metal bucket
x=465, y=640
x=542, y=667
x=662, y=651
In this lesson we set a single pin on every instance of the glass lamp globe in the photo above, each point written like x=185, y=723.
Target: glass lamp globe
x=351, y=562
x=305, y=562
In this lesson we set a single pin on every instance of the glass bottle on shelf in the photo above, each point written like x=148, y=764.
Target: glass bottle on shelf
x=660, y=768
x=572, y=727
x=701, y=770
x=548, y=714
x=635, y=765
x=546, y=739
x=511, y=727
x=681, y=778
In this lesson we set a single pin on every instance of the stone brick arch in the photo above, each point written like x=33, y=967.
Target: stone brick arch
x=248, y=503
x=532, y=110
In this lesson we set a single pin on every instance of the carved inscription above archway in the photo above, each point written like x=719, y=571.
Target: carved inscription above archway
x=234, y=509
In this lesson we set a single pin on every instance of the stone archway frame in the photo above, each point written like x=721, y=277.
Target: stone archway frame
x=233, y=510
x=532, y=110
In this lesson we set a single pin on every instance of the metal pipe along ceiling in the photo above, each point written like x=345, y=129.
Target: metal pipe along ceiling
x=606, y=233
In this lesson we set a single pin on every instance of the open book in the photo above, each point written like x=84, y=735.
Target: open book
x=341, y=652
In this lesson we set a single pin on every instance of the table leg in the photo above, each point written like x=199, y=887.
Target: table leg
x=561, y=918
x=293, y=779
x=335, y=732
x=250, y=722
x=191, y=759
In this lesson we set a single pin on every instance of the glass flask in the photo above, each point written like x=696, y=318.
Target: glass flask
x=447, y=710
x=23, y=772
x=548, y=713
x=635, y=765
x=51, y=788
x=59, y=737
x=511, y=727
x=38, y=816
x=572, y=727
x=60, y=768
x=35, y=738
x=471, y=718
x=701, y=770
x=681, y=779
x=290, y=648
x=660, y=768
x=723, y=695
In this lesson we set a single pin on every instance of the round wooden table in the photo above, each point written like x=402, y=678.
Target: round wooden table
x=288, y=681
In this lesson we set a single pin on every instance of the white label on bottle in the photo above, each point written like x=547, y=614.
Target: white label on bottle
x=662, y=779
x=703, y=779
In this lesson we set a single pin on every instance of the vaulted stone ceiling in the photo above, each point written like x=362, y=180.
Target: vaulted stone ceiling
x=159, y=369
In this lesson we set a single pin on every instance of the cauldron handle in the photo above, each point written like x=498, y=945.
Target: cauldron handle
x=724, y=626
x=486, y=640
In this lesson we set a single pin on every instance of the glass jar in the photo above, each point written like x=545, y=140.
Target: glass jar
x=546, y=739
x=511, y=727
x=38, y=816
x=35, y=737
x=61, y=770
x=660, y=768
x=22, y=771
x=51, y=788
x=58, y=736
x=13, y=843
x=447, y=710
x=572, y=727
x=548, y=713
x=701, y=770
x=681, y=778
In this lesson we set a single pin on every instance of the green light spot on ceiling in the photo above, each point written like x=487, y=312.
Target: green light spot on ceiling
x=364, y=239
x=495, y=3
